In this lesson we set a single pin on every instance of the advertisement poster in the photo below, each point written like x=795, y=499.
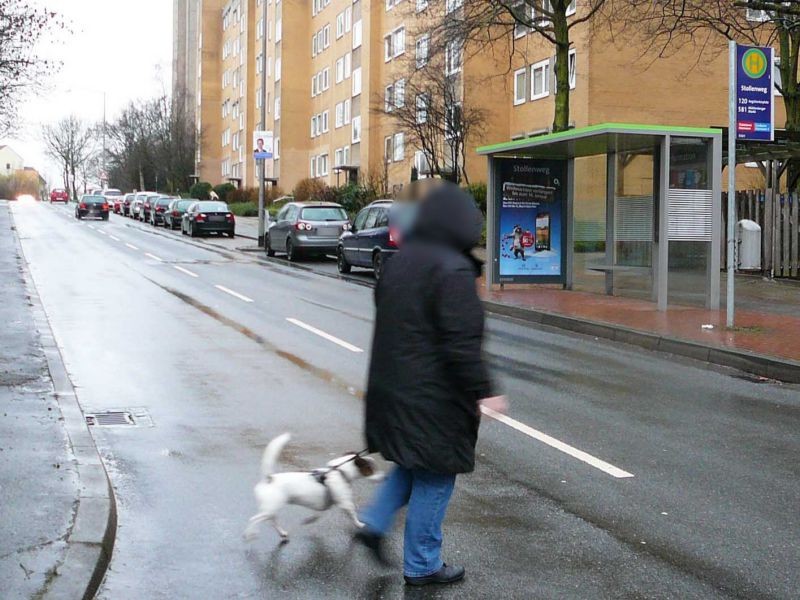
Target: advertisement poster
x=755, y=109
x=530, y=215
x=262, y=144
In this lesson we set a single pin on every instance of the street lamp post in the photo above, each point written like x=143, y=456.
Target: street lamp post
x=262, y=162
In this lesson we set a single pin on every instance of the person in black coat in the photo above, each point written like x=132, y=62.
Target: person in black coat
x=427, y=379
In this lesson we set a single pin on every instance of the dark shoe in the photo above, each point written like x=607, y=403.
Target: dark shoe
x=447, y=574
x=374, y=543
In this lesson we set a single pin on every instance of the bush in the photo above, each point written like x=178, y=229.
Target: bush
x=478, y=192
x=223, y=190
x=200, y=190
x=308, y=190
x=244, y=209
x=240, y=196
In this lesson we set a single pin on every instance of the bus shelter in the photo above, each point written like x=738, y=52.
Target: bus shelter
x=620, y=209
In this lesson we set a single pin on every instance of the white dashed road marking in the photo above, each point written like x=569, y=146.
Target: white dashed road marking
x=153, y=256
x=185, y=271
x=131, y=246
x=558, y=445
x=222, y=288
x=324, y=335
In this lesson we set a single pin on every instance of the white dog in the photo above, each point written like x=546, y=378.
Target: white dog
x=318, y=490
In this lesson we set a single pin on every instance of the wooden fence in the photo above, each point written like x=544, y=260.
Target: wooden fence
x=779, y=219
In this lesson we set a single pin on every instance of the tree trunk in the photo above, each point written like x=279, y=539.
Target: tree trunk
x=561, y=32
x=790, y=52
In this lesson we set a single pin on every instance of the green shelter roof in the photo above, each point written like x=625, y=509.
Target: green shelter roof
x=594, y=140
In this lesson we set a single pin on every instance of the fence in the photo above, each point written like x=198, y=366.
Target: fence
x=779, y=219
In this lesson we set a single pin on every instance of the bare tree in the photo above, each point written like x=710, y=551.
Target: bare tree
x=703, y=25
x=71, y=143
x=22, y=27
x=152, y=146
x=436, y=117
x=490, y=26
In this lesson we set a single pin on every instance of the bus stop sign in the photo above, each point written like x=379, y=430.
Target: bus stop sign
x=755, y=99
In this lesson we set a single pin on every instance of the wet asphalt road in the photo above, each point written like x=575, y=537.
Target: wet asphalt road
x=710, y=512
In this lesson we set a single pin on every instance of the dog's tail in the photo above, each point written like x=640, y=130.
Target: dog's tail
x=271, y=454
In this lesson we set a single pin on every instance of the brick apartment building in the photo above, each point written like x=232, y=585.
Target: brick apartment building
x=334, y=71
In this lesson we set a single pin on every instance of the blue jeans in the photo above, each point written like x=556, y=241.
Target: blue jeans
x=427, y=495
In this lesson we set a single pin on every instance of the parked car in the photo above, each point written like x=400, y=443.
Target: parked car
x=59, y=195
x=92, y=206
x=175, y=211
x=302, y=227
x=137, y=206
x=208, y=216
x=372, y=239
x=158, y=208
x=125, y=205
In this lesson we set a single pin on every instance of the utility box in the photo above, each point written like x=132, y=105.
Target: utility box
x=748, y=245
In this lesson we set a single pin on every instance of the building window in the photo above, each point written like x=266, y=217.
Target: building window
x=388, y=99
x=573, y=69
x=277, y=109
x=520, y=87
x=277, y=148
x=523, y=15
x=422, y=46
x=387, y=149
x=339, y=25
x=357, y=34
x=322, y=165
x=314, y=91
x=399, y=147
x=452, y=57
x=325, y=127
x=756, y=16
x=339, y=115
x=278, y=69
x=326, y=78
x=356, y=129
x=348, y=64
x=422, y=102
x=394, y=44
x=348, y=19
x=422, y=5
x=313, y=169
x=400, y=93
x=278, y=30
x=452, y=5
x=572, y=8
x=337, y=158
x=326, y=36
x=347, y=109
x=540, y=80
x=356, y=81
x=421, y=163
x=340, y=69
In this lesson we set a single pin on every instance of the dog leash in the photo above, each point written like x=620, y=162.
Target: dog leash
x=321, y=474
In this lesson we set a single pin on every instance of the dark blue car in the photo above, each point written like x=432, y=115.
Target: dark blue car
x=372, y=239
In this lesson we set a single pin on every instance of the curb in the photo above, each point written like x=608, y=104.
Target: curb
x=755, y=364
x=90, y=541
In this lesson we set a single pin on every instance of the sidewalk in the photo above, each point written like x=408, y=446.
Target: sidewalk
x=57, y=515
x=247, y=227
x=38, y=480
x=764, y=342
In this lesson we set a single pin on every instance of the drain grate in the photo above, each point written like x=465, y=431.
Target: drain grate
x=110, y=419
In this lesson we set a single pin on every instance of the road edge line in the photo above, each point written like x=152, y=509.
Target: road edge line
x=85, y=543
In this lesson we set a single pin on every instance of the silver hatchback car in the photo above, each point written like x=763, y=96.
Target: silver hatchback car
x=306, y=228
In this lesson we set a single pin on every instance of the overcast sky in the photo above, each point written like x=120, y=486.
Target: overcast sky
x=122, y=47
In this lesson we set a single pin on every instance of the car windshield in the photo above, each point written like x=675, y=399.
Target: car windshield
x=184, y=204
x=113, y=193
x=212, y=207
x=323, y=213
x=93, y=200
x=163, y=201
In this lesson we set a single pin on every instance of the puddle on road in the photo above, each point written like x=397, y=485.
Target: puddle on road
x=303, y=364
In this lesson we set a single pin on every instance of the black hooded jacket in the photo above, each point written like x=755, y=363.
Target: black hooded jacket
x=427, y=372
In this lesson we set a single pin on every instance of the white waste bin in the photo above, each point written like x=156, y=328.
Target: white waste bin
x=748, y=245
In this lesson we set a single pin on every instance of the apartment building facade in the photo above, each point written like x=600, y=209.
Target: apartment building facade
x=335, y=73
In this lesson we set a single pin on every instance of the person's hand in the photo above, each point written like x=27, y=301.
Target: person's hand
x=495, y=403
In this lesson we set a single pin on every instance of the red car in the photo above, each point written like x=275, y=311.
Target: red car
x=59, y=195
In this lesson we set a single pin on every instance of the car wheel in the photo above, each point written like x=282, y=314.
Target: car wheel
x=183, y=231
x=291, y=253
x=192, y=232
x=231, y=234
x=105, y=218
x=268, y=247
x=377, y=265
x=341, y=262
